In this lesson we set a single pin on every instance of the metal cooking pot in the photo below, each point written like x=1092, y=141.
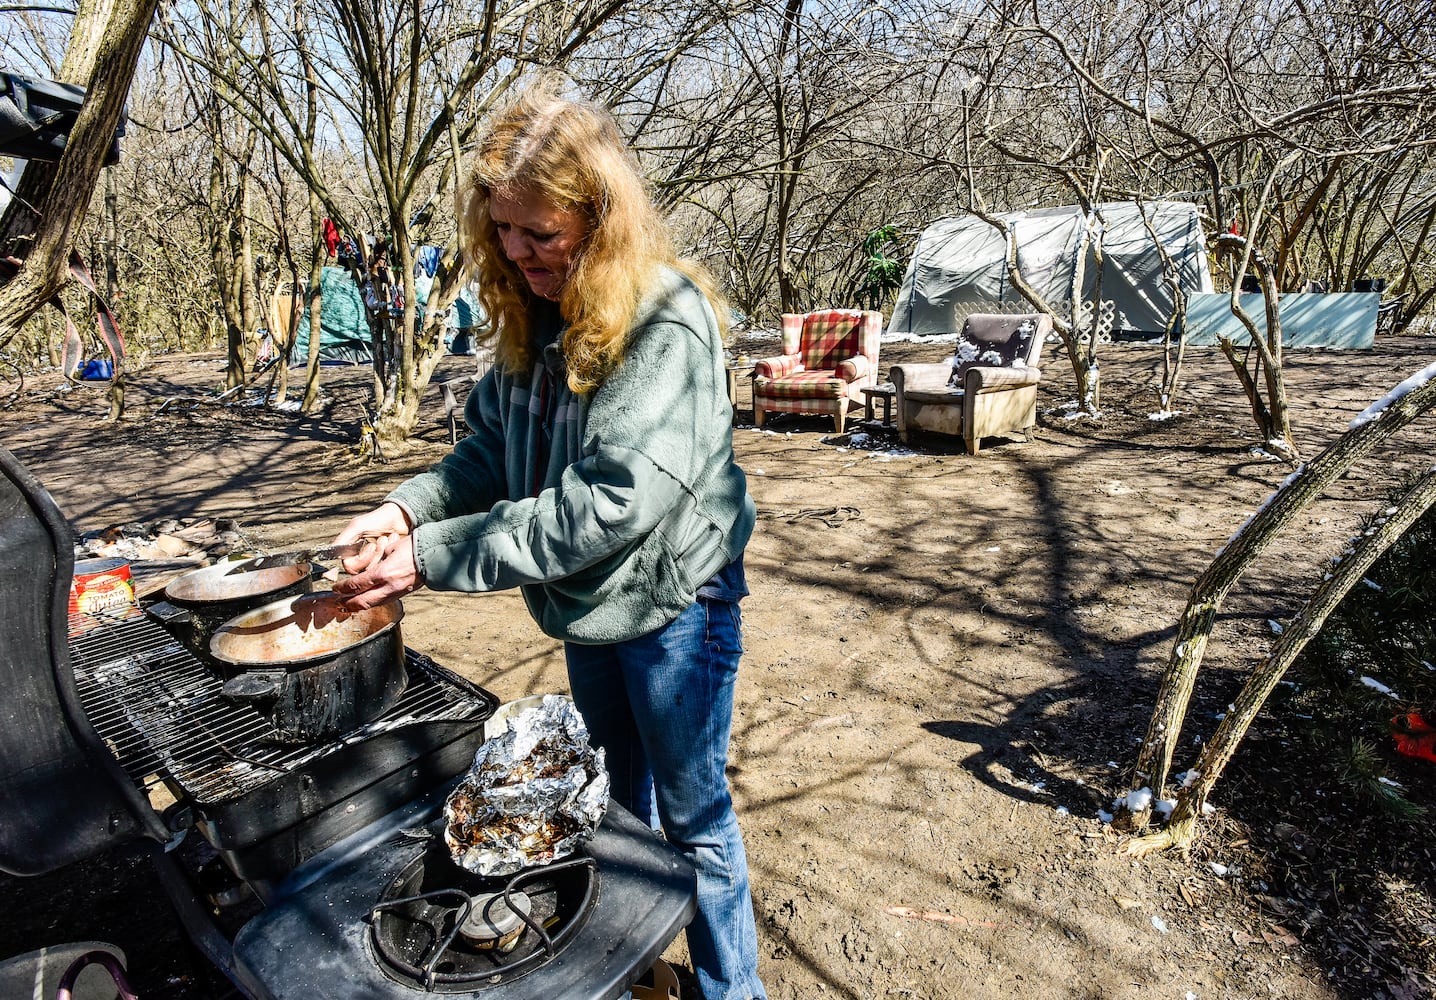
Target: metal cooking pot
x=314, y=669
x=202, y=600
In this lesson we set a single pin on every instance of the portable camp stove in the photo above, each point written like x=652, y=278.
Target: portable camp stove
x=329, y=874
x=392, y=918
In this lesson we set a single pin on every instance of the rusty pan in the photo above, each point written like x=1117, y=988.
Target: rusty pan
x=202, y=600
x=315, y=670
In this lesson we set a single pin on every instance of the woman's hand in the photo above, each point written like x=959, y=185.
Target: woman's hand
x=393, y=574
x=383, y=571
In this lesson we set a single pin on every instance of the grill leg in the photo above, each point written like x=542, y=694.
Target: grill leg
x=203, y=932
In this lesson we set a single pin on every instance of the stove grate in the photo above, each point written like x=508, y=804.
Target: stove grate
x=162, y=714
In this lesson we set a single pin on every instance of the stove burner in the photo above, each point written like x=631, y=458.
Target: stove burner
x=496, y=920
x=418, y=929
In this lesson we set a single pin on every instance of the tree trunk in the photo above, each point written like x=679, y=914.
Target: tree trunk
x=1181, y=829
x=1154, y=757
x=110, y=256
x=61, y=199
x=316, y=308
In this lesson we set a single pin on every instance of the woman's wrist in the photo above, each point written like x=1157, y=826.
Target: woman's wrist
x=403, y=515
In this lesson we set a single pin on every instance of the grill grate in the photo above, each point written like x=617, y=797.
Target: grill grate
x=161, y=712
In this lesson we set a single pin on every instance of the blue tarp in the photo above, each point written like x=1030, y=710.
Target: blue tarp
x=1308, y=319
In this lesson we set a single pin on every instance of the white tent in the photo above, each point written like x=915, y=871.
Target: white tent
x=959, y=265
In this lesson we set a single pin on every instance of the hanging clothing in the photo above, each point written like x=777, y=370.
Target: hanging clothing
x=331, y=235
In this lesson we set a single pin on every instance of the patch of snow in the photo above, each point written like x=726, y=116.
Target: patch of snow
x=1275, y=626
x=1371, y=583
x=1164, y=807
x=1219, y=870
x=1380, y=406
x=1158, y=923
x=1387, y=781
x=993, y=548
x=1376, y=685
x=1062, y=811
x=1208, y=809
x=1104, y=815
x=1189, y=778
x=912, y=338
x=1137, y=800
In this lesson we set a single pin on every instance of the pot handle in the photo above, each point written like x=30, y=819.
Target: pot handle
x=255, y=685
x=169, y=614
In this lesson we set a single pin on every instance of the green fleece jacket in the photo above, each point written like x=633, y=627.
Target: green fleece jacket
x=609, y=510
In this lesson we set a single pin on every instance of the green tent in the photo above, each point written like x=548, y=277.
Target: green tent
x=343, y=324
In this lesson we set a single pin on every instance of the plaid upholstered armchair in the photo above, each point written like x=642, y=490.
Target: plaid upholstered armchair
x=828, y=358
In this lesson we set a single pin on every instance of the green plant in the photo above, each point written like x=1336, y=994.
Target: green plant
x=884, y=272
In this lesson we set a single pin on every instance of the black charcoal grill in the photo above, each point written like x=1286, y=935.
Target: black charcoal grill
x=119, y=733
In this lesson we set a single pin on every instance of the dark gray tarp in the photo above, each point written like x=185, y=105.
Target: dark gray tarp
x=960, y=261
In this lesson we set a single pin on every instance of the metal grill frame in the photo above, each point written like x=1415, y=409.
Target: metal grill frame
x=266, y=807
x=161, y=712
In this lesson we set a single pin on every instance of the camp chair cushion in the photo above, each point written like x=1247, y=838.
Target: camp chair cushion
x=990, y=343
x=807, y=385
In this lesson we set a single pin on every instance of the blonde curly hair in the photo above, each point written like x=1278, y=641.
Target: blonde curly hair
x=571, y=154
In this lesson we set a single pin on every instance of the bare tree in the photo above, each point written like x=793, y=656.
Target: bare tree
x=1302, y=91
x=1154, y=758
x=40, y=224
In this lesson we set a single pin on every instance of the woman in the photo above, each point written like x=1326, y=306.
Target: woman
x=600, y=479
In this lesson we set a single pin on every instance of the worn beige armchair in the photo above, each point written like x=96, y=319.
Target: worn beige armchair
x=989, y=387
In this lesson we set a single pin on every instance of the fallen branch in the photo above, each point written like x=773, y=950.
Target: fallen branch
x=909, y=913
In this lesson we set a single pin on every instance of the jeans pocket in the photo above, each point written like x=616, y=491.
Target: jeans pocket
x=725, y=631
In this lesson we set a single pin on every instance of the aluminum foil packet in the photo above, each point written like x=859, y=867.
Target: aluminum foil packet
x=532, y=796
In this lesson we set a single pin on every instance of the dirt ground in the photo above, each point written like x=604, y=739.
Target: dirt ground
x=949, y=662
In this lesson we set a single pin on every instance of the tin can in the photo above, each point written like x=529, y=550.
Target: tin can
x=101, y=590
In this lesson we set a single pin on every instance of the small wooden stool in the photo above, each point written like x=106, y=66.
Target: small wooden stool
x=887, y=392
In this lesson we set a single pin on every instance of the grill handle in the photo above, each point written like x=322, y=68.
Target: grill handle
x=169, y=614
x=255, y=685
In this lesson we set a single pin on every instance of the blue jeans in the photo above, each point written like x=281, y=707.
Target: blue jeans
x=661, y=706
